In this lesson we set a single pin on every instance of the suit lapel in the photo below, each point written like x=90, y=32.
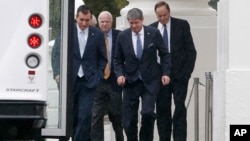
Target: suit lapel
x=147, y=36
x=114, y=36
x=89, y=40
x=76, y=43
x=173, y=32
x=130, y=41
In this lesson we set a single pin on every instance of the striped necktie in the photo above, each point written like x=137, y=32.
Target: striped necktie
x=138, y=46
x=107, y=69
x=165, y=35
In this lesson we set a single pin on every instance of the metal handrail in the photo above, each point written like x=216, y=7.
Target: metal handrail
x=196, y=109
x=208, y=108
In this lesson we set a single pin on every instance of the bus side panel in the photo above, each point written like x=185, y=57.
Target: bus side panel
x=23, y=88
x=18, y=81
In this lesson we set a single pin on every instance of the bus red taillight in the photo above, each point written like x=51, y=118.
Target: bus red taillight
x=35, y=21
x=34, y=41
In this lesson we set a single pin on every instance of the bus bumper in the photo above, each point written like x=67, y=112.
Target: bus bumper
x=22, y=119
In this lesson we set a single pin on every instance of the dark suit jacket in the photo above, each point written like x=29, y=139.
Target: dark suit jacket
x=94, y=58
x=183, y=53
x=126, y=63
x=113, y=77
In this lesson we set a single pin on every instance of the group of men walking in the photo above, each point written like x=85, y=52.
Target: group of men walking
x=114, y=70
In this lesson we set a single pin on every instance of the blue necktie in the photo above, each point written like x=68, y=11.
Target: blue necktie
x=138, y=46
x=165, y=35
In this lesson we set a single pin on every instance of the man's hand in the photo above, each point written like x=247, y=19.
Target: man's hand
x=165, y=80
x=121, y=80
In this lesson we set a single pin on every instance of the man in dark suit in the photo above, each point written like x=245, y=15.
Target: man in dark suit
x=56, y=54
x=139, y=73
x=89, y=61
x=108, y=96
x=183, y=55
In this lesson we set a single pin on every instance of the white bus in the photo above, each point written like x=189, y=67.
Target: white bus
x=25, y=71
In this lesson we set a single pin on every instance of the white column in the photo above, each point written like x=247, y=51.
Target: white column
x=203, y=23
x=232, y=79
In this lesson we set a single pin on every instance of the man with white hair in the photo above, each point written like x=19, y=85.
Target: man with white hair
x=108, y=94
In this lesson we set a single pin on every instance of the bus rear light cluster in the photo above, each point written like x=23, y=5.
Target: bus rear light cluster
x=34, y=41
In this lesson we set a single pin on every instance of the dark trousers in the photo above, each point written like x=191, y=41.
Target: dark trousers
x=110, y=101
x=164, y=113
x=131, y=97
x=83, y=104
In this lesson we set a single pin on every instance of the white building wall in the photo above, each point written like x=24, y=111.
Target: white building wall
x=232, y=79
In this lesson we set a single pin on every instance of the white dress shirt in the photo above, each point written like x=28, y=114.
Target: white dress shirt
x=134, y=38
x=82, y=40
x=161, y=28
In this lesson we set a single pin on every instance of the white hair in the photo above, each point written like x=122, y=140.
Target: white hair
x=106, y=12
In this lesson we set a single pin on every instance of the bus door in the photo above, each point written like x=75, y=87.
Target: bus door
x=60, y=99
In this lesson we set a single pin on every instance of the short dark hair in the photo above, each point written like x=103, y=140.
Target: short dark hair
x=85, y=9
x=135, y=13
x=162, y=3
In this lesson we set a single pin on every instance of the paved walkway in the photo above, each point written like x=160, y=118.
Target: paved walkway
x=109, y=134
